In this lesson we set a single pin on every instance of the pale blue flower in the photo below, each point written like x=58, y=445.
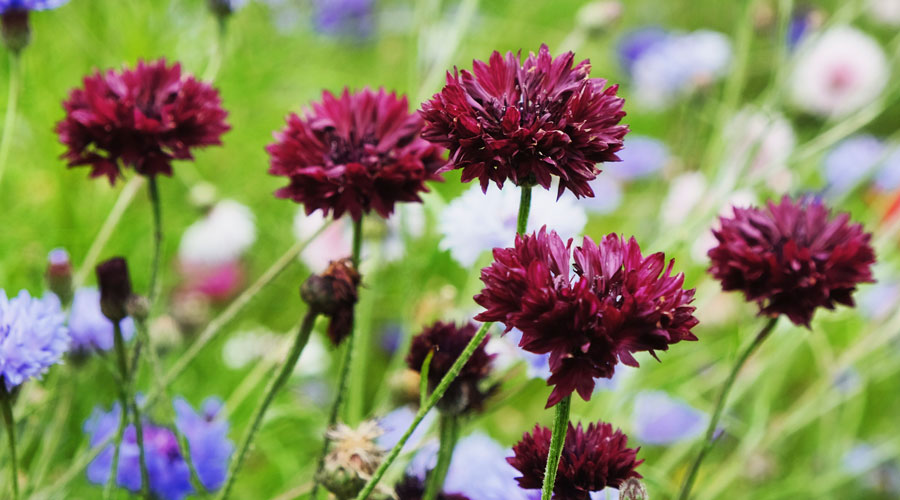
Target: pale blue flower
x=661, y=419
x=32, y=336
x=89, y=329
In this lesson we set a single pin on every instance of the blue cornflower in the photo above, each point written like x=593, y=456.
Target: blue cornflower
x=32, y=336
x=641, y=156
x=207, y=436
x=10, y=5
x=661, y=419
x=850, y=162
x=635, y=43
x=349, y=18
x=89, y=328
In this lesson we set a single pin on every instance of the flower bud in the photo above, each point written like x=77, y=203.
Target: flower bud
x=632, y=489
x=138, y=307
x=352, y=460
x=15, y=29
x=224, y=8
x=59, y=275
x=115, y=288
x=334, y=294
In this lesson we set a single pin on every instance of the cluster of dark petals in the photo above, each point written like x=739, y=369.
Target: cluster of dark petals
x=792, y=257
x=527, y=121
x=448, y=341
x=334, y=294
x=613, y=303
x=142, y=118
x=413, y=488
x=355, y=153
x=593, y=458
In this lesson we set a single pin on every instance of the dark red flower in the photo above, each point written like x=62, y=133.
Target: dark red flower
x=334, y=294
x=448, y=341
x=792, y=258
x=354, y=153
x=527, y=121
x=615, y=303
x=413, y=488
x=143, y=118
x=593, y=458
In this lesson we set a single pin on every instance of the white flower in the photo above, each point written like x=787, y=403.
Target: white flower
x=838, y=72
x=222, y=236
x=685, y=192
x=477, y=222
x=407, y=222
x=884, y=11
x=335, y=242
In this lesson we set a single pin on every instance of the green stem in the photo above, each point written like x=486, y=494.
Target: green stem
x=423, y=410
x=9, y=423
x=344, y=376
x=521, y=225
x=710, y=437
x=157, y=239
x=117, y=444
x=274, y=386
x=128, y=404
x=557, y=442
x=524, y=209
x=12, y=99
x=449, y=434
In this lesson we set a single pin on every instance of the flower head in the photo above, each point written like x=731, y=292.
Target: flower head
x=593, y=458
x=447, y=341
x=345, y=18
x=354, y=153
x=89, y=328
x=354, y=457
x=32, y=336
x=615, y=302
x=527, y=121
x=170, y=478
x=792, y=257
x=334, y=293
x=661, y=419
x=838, y=72
x=142, y=118
x=9, y=5
x=413, y=488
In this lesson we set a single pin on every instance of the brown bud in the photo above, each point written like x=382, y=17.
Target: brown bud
x=632, y=489
x=334, y=294
x=59, y=275
x=15, y=29
x=115, y=288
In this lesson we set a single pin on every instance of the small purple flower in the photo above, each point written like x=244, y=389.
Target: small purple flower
x=206, y=433
x=661, y=419
x=10, y=5
x=881, y=299
x=345, y=18
x=395, y=423
x=888, y=176
x=641, y=156
x=850, y=162
x=89, y=328
x=32, y=336
x=635, y=43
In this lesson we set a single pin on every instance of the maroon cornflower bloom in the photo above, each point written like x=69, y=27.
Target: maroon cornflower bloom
x=792, y=258
x=413, y=488
x=354, y=153
x=593, y=458
x=334, y=294
x=143, y=118
x=448, y=341
x=527, y=121
x=615, y=303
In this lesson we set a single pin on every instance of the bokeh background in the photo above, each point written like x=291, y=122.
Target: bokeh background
x=718, y=100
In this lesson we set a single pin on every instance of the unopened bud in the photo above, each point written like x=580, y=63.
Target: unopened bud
x=59, y=275
x=224, y=8
x=138, y=307
x=353, y=459
x=632, y=489
x=334, y=294
x=15, y=29
x=115, y=288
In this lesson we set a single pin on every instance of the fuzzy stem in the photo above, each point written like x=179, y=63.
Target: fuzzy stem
x=128, y=404
x=710, y=437
x=449, y=434
x=9, y=423
x=423, y=410
x=344, y=375
x=274, y=386
x=12, y=99
x=524, y=209
x=557, y=442
x=157, y=239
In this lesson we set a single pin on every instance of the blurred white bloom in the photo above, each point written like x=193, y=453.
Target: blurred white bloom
x=884, y=11
x=678, y=64
x=407, y=222
x=598, y=15
x=685, y=192
x=607, y=194
x=222, y=236
x=247, y=347
x=838, y=72
x=335, y=242
x=762, y=141
x=477, y=222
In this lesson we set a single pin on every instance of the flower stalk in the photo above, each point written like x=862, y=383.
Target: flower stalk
x=557, y=441
x=157, y=238
x=9, y=423
x=710, y=437
x=12, y=99
x=449, y=435
x=274, y=386
x=128, y=405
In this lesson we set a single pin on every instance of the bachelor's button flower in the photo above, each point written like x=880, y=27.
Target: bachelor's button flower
x=636, y=43
x=221, y=236
x=395, y=423
x=32, y=336
x=641, y=157
x=851, y=161
x=142, y=118
x=838, y=72
x=205, y=431
x=333, y=294
x=661, y=419
x=89, y=328
x=886, y=12
x=759, y=142
x=888, y=176
x=345, y=18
